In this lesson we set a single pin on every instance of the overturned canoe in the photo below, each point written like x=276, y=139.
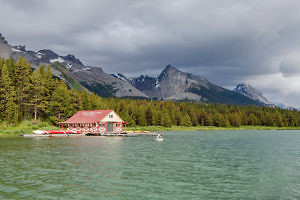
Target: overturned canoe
x=44, y=132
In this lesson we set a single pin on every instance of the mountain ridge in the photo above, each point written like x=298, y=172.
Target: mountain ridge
x=174, y=84
x=171, y=83
x=93, y=79
x=252, y=93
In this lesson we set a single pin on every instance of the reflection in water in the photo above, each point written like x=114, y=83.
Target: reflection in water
x=186, y=165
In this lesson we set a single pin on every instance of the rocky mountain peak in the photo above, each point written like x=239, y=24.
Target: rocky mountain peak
x=168, y=70
x=122, y=77
x=170, y=67
x=252, y=93
x=2, y=39
x=73, y=59
x=48, y=53
x=20, y=47
x=246, y=89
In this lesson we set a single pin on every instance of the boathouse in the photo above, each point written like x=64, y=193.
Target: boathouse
x=95, y=121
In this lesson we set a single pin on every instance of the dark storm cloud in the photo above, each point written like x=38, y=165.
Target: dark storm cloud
x=228, y=41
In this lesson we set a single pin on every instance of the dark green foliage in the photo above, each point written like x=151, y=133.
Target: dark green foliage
x=235, y=120
x=86, y=104
x=22, y=75
x=36, y=95
x=149, y=116
x=165, y=120
x=70, y=81
x=186, y=121
x=102, y=90
x=60, y=106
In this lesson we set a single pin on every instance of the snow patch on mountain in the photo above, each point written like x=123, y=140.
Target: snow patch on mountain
x=39, y=55
x=69, y=65
x=59, y=59
x=16, y=50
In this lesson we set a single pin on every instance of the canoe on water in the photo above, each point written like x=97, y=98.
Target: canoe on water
x=42, y=132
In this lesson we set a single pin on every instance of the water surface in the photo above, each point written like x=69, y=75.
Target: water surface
x=186, y=165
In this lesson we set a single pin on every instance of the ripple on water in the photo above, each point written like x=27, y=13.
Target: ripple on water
x=187, y=165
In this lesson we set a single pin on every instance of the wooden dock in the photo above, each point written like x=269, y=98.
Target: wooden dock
x=123, y=134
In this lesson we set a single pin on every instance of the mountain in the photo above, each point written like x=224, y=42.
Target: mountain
x=175, y=84
x=72, y=71
x=170, y=84
x=122, y=77
x=283, y=106
x=252, y=93
x=105, y=84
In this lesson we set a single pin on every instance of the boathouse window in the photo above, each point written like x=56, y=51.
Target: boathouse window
x=110, y=116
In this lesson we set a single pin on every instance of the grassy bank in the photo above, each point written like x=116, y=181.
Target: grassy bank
x=25, y=127
x=207, y=128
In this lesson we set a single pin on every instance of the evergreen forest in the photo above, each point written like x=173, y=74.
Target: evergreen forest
x=27, y=94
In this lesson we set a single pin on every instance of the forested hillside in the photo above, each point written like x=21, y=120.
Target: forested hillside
x=27, y=94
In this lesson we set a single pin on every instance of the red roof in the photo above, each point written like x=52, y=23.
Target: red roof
x=91, y=116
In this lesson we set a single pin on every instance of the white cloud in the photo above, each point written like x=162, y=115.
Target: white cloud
x=278, y=87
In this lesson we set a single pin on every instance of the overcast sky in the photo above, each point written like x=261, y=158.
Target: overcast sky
x=227, y=41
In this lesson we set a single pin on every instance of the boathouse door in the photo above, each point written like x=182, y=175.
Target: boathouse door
x=110, y=127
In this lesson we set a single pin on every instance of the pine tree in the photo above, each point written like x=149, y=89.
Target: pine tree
x=86, y=104
x=252, y=120
x=11, y=66
x=75, y=101
x=38, y=93
x=141, y=118
x=220, y=120
x=149, y=115
x=22, y=83
x=7, y=96
x=208, y=120
x=155, y=118
x=269, y=120
x=186, y=121
x=165, y=120
x=278, y=119
x=235, y=120
x=193, y=117
x=60, y=102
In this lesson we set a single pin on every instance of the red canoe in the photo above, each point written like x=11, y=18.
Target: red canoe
x=55, y=132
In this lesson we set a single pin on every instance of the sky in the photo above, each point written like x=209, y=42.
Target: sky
x=227, y=41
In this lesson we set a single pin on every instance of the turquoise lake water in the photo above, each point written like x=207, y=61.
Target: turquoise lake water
x=186, y=165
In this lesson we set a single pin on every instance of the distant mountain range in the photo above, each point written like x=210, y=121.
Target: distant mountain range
x=73, y=71
x=170, y=84
x=177, y=85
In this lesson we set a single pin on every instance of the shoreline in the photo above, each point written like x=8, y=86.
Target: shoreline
x=206, y=128
x=26, y=127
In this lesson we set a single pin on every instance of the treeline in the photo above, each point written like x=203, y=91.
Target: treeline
x=27, y=94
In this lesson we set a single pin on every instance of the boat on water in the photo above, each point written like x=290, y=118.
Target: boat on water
x=159, y=138
x=51, y=132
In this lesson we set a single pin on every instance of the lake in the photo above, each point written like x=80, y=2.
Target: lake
x=186, y=165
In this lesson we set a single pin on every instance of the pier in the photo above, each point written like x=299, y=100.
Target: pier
x=122, y=134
